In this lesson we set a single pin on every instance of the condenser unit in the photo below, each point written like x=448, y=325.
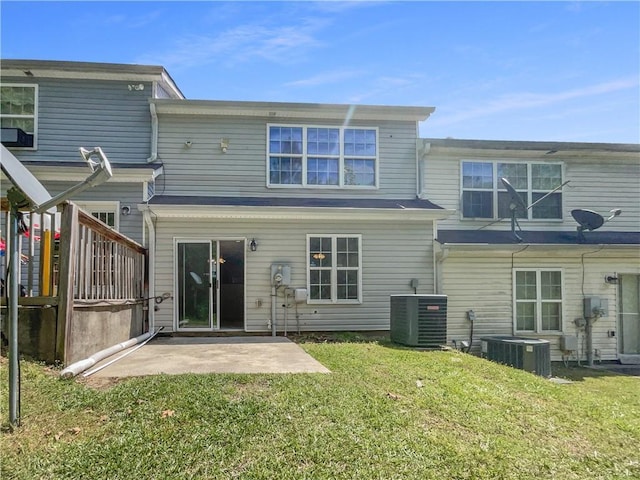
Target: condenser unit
x=530, y=354
x=419, y=320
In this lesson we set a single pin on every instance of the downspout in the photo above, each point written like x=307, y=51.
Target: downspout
x=440, y=257
x=422, y=150
x=154, y=133
x=146, y=213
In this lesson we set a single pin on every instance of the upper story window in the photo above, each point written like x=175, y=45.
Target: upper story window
x=19, y=109
x=538, y=300
x=484, y=196
x=322, y=156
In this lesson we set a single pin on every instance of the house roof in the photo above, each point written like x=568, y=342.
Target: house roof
x=283, y=110
x=293, y=208
x=78, y=170
x=549, y=148
x=504, y=237
x=306, y=202
x=90, y=70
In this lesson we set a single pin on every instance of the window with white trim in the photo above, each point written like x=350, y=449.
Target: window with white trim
x=334, y=268
x=106, y=212
x=484, y=195
x=537, y=300
x=19, y=109
x=315, y=157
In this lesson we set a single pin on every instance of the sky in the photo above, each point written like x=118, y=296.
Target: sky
x=542, y=71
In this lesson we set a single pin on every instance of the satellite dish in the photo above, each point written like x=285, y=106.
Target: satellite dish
x=514, y=203
x=587, y=219
x=32, y=190
x=590, y=220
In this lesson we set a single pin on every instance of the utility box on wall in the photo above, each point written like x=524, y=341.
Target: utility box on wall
x=419, y=320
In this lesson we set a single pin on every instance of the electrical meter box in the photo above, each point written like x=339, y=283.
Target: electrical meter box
x=280, y=274
x=595, y=307
x=569, y=343
x=300, y=295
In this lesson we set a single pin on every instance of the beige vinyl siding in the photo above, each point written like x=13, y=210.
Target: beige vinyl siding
x=599, y=181
x=203, y=169
x=392, y=254
x=482, y=282
x=75, y=113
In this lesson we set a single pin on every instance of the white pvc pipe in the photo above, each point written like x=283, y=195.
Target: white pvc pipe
x=128, y=352
x=82, y=365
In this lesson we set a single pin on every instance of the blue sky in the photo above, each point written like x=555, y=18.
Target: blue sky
x=556, y=71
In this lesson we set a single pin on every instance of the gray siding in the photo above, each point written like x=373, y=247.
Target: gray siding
x=126, y=193
x=598, y=181
x=203, y=169
x=483, y=283
x=392, y=254
x=75, y=113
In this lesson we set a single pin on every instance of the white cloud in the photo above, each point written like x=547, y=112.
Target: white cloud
x=279, y=44
x=525, y=100
x=324, y=78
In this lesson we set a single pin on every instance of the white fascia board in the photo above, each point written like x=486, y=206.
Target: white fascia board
x=278, y=111
x=557, y=250
x=292, y=213
x=80, y=172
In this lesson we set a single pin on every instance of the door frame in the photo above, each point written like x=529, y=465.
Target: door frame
x=621, y=320
x=214, y=291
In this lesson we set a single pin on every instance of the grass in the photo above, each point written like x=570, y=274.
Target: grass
x=384, y=413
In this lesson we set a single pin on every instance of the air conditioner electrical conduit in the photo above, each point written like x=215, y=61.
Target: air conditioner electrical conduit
x=82, y=365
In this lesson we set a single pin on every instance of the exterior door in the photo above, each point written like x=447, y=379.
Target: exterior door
x=194, y=283
x=629, y=336
x=210, y=284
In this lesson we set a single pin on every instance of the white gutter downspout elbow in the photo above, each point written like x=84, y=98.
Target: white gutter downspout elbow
x=151, y=246
x=154, y=133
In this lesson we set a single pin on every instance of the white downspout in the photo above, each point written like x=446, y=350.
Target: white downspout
x=422, y=149
x=440, y=256
x=151, y=246
x=154, y=133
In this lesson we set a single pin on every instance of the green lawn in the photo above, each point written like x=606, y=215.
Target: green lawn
x=385, y=412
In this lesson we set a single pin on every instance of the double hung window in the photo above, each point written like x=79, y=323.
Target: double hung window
x=484, y=195
x=334, y=268
x=19, y=109
x=322, y=156
x=538, y=300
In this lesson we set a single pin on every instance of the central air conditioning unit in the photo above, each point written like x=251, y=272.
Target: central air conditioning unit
x=419, y=320
x=530, y=354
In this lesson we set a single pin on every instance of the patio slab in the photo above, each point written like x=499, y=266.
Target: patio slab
x=177, y=355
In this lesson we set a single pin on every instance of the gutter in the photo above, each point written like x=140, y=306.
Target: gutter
x=154, y=133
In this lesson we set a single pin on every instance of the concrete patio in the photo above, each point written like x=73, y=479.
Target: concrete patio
x=176, y=355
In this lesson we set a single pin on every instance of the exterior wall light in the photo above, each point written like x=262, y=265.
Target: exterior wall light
x=253, y=245
x=224, y=144
x=125, y=210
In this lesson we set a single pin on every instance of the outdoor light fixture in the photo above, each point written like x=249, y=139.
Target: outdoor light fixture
x=611, y=279
x=253, y=245
x=125, y=210
x=224, y=144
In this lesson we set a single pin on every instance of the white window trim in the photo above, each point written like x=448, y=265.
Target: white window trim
x=538, y=320
x=35, y=112
x=496, y=187
x=341, y=155
x=94, y=206
x=334, y=269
